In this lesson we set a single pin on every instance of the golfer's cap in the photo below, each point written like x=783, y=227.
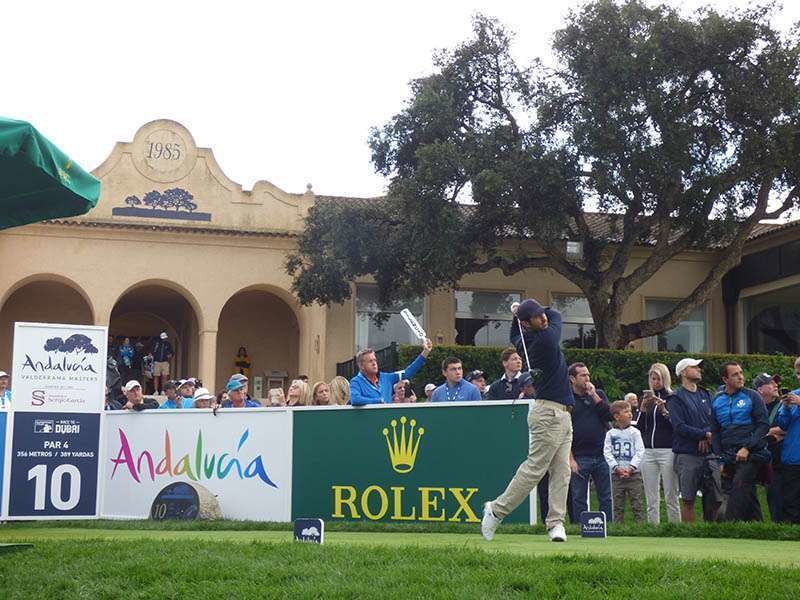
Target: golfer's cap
x=528, y=309
x=476, y=374
x=429, y=387
x=132, y=384
x=3, y=374
x=203, y=394
x=163, y=335
x=764, y=378
x=234, y=385
x=686, y=362
x=238, y=377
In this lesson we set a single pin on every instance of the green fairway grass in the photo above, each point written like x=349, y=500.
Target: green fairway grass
x=232, y=565
x=750, y=551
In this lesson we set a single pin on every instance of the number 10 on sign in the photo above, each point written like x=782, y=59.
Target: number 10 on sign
x=39, y=475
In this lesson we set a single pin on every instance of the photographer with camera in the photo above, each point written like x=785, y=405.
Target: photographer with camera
x=767, y=387
x=788, y=420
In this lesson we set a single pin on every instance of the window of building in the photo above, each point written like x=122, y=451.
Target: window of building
x=772, y=322
x=578, y=325
x=377, y=335
x=688, y=336
x=483, y=318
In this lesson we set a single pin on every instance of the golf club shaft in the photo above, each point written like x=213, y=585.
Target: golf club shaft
x=524, y=346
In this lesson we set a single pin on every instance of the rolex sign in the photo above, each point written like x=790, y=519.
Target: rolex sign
x=408, y=463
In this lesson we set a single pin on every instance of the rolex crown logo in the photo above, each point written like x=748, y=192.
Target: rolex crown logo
x=403, y=451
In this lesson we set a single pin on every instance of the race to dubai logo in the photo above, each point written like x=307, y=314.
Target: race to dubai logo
x=75, y=354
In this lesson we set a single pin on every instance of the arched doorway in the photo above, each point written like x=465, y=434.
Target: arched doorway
x=143, y=312
x=41, y=301
x=264, y=324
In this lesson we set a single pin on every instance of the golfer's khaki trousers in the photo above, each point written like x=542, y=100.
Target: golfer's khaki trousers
x=550, y=441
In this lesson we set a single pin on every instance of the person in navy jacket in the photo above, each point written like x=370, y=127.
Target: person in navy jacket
x=689, y=407
x=372, y=386
x=739, y=423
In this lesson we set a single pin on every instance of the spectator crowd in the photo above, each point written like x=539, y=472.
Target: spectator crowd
x=680, y=440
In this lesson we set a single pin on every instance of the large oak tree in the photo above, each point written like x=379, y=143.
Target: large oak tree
x=682, y=132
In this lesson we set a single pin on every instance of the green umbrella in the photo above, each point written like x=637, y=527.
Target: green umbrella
x=37, y=180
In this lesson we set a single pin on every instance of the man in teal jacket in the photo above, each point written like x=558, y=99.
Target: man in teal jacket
x=371, y=386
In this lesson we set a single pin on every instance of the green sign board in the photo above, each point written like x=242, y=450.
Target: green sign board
x=406, y=463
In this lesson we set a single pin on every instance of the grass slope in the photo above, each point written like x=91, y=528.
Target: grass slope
x=182, y=568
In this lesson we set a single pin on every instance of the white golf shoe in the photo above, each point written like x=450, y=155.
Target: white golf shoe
x=557, y=533
x=489, y=523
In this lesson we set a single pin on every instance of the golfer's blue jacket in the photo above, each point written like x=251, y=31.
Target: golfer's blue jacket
x=363, y=392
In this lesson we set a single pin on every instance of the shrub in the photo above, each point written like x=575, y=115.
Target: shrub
x=615, y=371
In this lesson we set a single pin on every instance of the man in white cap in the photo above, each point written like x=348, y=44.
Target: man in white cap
x=690, y=412
x=5, y=392
x=429, y=390
x=162, y=353
x=136, y=400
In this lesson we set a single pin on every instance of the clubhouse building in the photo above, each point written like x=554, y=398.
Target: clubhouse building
x=174, y=245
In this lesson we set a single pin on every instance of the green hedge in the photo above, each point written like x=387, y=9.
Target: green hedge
x=615, y=371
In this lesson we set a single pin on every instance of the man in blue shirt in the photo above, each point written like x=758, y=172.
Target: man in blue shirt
x=788, y=420
x=454, y=388
x=739, y=423
x=371, y=386
x=237, y=397
x=536, y=329
x=690, y=412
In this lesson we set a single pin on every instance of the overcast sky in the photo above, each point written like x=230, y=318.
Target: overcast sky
x=285, y=91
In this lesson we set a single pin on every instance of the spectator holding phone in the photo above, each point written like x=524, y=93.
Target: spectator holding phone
x=788, y=419
x=656, y=427
x=403, y=392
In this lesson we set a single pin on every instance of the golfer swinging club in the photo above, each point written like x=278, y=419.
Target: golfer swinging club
x=536, y=332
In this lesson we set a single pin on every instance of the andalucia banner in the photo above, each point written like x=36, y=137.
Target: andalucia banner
x=425, y=462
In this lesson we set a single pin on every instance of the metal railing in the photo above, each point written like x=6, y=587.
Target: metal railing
x=388, y=359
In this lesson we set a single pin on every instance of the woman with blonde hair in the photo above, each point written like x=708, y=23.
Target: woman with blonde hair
x=340, y=390
x=656, y=428
x=320, y=394
x=299, y=394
